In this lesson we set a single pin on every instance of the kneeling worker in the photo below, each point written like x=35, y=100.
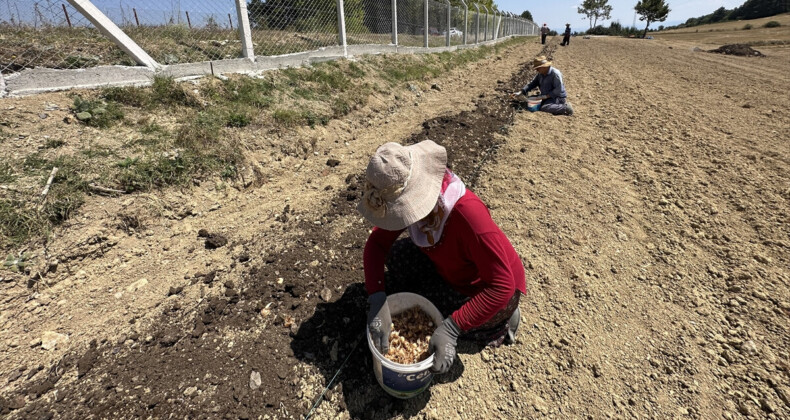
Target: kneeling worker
x=552, y=90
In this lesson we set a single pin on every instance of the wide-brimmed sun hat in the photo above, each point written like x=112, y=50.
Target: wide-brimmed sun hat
x=402, y=183
x=541, y=61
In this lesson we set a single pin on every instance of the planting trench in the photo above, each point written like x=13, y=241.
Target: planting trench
x=286, y=311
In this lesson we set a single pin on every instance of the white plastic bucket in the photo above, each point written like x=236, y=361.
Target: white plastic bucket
x=404, y=381
x=533, y=104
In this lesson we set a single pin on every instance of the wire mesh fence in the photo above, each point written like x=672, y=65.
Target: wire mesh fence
x=53, y=34
x=289, y=26
x=411, y=21
x=369, y=22
x=174, y=31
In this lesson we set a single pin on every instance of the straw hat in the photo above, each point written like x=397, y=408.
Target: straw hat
x=403, y=184
x=541, y=61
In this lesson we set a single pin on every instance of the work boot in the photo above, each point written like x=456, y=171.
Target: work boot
x=569, y=110
x=512, y=326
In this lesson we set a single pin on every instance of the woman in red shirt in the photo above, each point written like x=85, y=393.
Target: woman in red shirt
x=452, y=235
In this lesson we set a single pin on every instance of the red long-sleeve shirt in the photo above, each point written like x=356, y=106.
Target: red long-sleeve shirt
x=473, y=256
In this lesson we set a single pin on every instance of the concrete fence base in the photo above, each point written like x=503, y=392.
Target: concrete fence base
x=40, y=80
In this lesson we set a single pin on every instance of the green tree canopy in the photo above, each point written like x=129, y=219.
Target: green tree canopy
x=487, y=3
x=594, y=10
x=651, y=11
x=527, y=15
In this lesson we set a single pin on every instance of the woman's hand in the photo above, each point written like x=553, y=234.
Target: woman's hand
x=442, y=345
x=379, y=321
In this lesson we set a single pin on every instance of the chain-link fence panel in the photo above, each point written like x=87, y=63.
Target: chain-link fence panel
x=411, y=15
x=289, y=26
x=368, y=21
x=437, y=23
x=178, y=31
x=457, y=26
x=51, y=34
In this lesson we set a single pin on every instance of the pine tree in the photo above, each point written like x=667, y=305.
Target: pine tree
x=651, y=11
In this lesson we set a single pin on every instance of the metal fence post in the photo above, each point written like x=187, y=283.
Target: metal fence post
x=112, y=31
x=425, y=23
x=496, y=26
x=244, y=30
x=394, y=22
x=341, y=26
x=449, y=20
x=477, y=22
x=466, y=19
x=485, y=34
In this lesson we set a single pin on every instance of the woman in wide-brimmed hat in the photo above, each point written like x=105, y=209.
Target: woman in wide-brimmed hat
x=552, y=90
x=456, y=255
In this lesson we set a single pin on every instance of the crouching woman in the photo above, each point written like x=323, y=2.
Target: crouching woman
x=455, y=254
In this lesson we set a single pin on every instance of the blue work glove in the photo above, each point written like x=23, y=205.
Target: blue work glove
x=442, y=345
x=379, y=321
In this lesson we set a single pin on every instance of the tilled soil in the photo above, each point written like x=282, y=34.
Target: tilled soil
x=653, y=226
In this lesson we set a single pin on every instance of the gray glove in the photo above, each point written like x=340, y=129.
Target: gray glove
x=379, y=321
x=442, y=345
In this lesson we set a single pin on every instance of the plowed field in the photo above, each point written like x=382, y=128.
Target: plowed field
x=654, y=225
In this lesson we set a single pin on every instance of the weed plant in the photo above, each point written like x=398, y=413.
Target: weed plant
x=101, y=114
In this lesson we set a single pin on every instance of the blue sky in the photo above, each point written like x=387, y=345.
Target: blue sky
x=554, y=12
x=559, y=12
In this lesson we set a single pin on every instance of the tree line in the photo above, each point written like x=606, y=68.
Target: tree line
x=751, y=9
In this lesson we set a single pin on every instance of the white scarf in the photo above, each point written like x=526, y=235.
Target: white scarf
x=428, y=231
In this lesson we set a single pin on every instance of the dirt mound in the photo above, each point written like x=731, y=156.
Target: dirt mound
x=742, y=50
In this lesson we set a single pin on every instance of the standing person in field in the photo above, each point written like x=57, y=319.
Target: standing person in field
x=566, y=36
x=544, y=32
x=456, y=255
x=552, y=90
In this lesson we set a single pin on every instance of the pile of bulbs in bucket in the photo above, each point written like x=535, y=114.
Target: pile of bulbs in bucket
x=409, y=337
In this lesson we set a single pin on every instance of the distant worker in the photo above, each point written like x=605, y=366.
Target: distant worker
x=552, y=90
x=566, y=37
x=544, y=32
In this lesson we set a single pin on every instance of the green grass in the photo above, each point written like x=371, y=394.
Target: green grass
x=6, y=173
x=287, y=117
x=94, y=152
x=53, y=143
x=35, y=163
x=142, y=174
x=67, y=192
x=23, y=220
x=102, y=114
x=18, y=224
x=164, y=91
x=238, y=119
